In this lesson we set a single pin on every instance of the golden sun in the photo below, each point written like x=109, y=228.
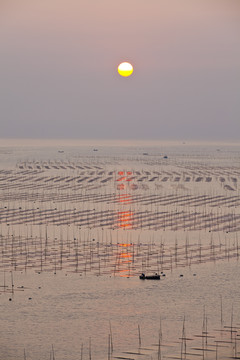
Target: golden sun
x=125, y=69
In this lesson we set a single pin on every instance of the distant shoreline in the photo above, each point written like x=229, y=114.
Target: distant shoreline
x=11, y=142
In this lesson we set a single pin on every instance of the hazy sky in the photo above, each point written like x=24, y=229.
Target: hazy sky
x=59, y=58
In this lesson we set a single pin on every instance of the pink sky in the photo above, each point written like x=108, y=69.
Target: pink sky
x=59, y=69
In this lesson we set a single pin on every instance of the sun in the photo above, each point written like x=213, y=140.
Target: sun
x=125, y=69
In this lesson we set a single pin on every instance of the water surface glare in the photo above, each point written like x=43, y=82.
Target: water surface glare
x=68, y=310
x=79, y=222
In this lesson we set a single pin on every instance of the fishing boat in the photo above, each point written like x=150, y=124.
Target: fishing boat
x=149, y=277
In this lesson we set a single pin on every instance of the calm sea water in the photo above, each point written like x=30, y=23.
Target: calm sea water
x=69, y=311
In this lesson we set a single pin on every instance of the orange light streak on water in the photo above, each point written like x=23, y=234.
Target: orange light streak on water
x=120, y=186
x=125, y=245
x=121, y=178
x=126, y=177
x=125, y=219
x=124, y=198
x=125, y=259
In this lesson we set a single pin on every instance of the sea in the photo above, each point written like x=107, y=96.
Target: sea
x=81, y=220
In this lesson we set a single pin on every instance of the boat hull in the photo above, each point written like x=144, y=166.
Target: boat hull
x=150, y=277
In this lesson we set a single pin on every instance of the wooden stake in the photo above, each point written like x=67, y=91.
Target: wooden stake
x=109, y=346
x=82, y=351
x=159, y=345
x=221, y=310
x=111, y=338
x=53, y=355
x=90, y=350
x=139, y=337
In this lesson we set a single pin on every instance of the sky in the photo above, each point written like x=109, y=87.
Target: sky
x=59, y=58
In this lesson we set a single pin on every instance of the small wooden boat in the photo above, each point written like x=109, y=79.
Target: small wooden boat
x=149, y=277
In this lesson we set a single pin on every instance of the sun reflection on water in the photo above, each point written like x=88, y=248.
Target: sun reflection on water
x=125, y=220
x=125, y=259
